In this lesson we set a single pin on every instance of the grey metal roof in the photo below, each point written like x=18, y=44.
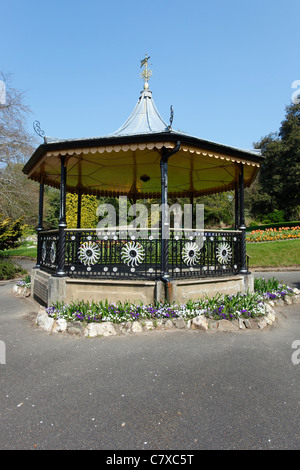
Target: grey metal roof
x=144, y=119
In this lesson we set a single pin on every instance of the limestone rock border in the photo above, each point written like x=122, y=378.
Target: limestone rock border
x=22, y=291
x=92, y=330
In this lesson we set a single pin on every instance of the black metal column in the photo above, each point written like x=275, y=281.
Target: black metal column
x=242, y=227
x=165, y=225
x=40, y=224
x=62, y=220
x=164, y=215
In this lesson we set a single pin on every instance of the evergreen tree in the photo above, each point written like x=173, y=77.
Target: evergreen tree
x=89, y=204
x=278, y=184
x=10, y=233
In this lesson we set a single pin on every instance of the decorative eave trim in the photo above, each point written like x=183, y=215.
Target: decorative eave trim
x=150, y=139
x=149, y=146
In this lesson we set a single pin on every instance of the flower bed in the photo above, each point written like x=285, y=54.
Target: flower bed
x=26, y=282
x=219, y=307
x=272, y=234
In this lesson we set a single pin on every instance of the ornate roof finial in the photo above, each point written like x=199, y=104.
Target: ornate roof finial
x=146, y=73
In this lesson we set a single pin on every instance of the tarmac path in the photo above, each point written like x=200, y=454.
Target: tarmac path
x=168, y=390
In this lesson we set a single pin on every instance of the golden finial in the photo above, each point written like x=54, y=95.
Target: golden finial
x=146, y=73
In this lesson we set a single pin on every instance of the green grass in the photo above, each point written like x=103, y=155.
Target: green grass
x=25, y=249
x=278, y=253
x=30, y=252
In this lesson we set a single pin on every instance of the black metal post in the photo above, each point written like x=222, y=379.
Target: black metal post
x=40, y=225
x=242, y=227
x=62, y=220
x=164, y=215
x=165, y=226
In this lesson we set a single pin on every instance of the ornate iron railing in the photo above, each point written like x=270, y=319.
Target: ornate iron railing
x=47, y=250
x=217, y=254
x=89, y=254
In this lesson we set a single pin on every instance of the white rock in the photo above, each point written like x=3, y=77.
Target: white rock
x=124, y=327
x=136, y=327
x=270, y=318
x=262, y=323
x=247, y=323
x=100, y=329
x=168, y=325
x=269, y=309
x=148, y=324
x=44, y=321
x=27, y=292
x=179, y=322
x=158, y=323
x=200, y=322
x=226, y=325
x=296, y=299
x=60, y=325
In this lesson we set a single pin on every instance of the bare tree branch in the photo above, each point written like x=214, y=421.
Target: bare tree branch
x=16, y=144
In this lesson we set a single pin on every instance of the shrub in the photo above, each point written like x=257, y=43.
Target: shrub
x=10, y=232
x=9, y=270
x=273, y=225
x=274, y=217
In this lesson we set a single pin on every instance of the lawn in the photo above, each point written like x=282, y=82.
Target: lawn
x=23, y=251
x=277, y=253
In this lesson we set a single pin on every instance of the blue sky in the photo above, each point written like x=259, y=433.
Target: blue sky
x=226, y=66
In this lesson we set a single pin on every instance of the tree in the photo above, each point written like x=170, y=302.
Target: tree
x=17, y=194
x=52, y=199
x=89, y=204
x=218, y=208
x=16, y=144
x=278, y=184
x=10, y=233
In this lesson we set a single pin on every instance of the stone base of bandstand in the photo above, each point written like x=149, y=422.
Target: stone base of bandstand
x=47, y=289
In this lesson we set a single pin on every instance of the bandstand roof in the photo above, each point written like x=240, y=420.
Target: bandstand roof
x=127, y=162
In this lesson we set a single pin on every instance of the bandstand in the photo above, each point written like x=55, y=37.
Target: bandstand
x=145, y=158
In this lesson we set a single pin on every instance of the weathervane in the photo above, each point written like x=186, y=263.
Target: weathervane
x=146, y=73
x=38, y=130
x=171, y=116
